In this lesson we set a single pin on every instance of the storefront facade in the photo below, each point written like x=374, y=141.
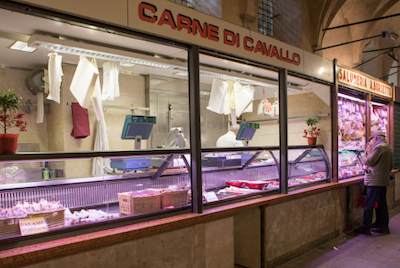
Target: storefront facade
x=170, y=60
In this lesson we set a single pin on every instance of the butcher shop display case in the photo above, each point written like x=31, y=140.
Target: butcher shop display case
x=65, y=190
x=232, y=173
x=352, y=133
x=307, y=165
x=52, y=192
x=238, y=173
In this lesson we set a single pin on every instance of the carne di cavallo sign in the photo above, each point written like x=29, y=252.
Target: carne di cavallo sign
x=363, y=82
x=158, y=17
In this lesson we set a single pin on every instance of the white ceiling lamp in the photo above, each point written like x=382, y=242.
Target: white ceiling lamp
x=181, y=73
x=22, y=46
x=156, y=81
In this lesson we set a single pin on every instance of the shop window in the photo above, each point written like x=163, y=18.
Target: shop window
x=396, y=137
x=265, y=24
x=186, y=3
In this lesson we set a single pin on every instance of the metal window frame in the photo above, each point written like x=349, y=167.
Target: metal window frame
x=264, y=17
x=186, y=3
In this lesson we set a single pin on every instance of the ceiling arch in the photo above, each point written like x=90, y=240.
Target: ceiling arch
x=340, y=12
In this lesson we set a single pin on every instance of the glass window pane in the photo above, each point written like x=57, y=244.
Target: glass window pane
x=253, y=91
x=132, y=86
x=352, y=136
x=224, y=177
x=307, y=166
x=239, y=108
x=127, y=95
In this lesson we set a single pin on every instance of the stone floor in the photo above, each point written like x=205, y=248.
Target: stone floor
x=355, y=251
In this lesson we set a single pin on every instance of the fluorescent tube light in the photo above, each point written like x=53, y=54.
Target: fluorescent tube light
x=350, y=98
x=126, y=64
x=377, y=104
x=88, y=50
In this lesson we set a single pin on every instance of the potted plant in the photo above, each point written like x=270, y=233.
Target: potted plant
x=9, y=118
x=312, y=132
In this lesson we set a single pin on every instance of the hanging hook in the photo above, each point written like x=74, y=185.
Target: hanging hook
x=28, y=109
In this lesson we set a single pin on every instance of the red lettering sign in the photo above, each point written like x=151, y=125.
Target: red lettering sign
x=184, y=23
x=143, y=16
x=231, y=40
x=247, y=40
x=166, y=18
x=180, y=22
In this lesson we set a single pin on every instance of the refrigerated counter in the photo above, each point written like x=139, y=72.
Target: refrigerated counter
x=228, y=174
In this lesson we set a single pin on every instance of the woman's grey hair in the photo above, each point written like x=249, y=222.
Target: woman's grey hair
x=235, y=127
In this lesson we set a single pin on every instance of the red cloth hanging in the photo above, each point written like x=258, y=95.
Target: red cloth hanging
x=80, y=121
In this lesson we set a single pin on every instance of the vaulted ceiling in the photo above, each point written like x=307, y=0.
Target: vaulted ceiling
x=331, y=13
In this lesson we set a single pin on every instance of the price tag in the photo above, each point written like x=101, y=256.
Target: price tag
x=31, y=226
x=210, y=196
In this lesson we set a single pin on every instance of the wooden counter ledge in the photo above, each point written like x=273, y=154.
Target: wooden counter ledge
x=40, y=252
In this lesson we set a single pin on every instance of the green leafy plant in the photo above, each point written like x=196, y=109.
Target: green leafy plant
x=9, y=103
x=312, y=130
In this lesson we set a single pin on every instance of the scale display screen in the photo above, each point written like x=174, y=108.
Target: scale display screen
x=247, y=130
x=137, y=125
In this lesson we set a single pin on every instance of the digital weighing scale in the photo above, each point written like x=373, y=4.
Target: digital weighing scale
x=136, y=127
x=246, y=131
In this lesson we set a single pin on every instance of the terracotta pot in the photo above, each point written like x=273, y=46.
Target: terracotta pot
x=8, y=143
x=312, y=140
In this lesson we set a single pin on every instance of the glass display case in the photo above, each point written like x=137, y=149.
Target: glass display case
x=236, y=173
x=307, y=165
x=63, y=190
x=352, y=134
x=231, y=174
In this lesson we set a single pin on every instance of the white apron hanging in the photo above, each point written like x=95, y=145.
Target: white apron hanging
x=84, y=81
x=110, y=81
x=96, y=97
x=217, y=96
x=55, y=74
x=243, y=98
x=101, y=165
x=250, y=90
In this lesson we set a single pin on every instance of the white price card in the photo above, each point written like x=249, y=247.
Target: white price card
x=210, y=196
x=31, y=226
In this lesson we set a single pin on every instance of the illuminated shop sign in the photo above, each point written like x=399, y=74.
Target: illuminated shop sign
x=192, y=26
x=184, y=24
x=360, y=81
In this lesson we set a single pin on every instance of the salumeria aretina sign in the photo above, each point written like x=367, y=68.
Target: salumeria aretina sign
x=357, y=80
x=177, y=22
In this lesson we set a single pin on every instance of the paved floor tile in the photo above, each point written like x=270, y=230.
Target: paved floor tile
x=355, y=251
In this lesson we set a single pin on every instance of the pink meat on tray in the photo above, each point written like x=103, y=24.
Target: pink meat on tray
x=320, y=175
